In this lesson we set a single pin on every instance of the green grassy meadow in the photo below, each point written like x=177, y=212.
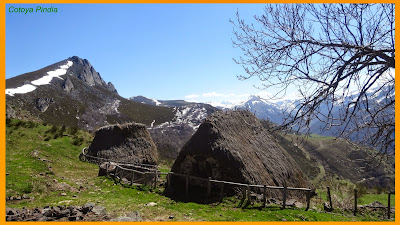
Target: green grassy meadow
x=42, y=163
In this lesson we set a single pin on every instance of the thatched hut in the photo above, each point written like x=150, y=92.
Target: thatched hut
x=129, y=143
x=234, y=146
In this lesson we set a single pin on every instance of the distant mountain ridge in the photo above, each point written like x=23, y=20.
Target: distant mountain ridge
x=277, y=111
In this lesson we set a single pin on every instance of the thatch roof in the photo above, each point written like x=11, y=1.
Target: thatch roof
x=129, y=143
x=234, y=146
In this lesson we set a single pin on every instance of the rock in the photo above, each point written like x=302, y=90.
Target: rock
x=111, y=88
x=291, y=202
x=42, y=104
x=67, y=85
x=171, y=217
x=376, y=204
x=10, y=112
x=87, y=207
x=11, y=211
x=327, y=207
x=64, y=213
x=63, y=194
x=59, y=213
x=99, y=210
x=151, y=204
x=135, y=216
x=123, y=219
x=86, y=72
x=106, y=166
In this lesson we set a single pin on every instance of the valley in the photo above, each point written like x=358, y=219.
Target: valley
x=55, y=112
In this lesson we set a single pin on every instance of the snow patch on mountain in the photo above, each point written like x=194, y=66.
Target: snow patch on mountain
x=192, y=116
x=110, y=108
x=52, y=74
x=26, y=88
x=20, y=90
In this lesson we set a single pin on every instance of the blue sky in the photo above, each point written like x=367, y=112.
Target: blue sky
x=161, y=51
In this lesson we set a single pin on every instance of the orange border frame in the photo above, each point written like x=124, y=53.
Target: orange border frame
x=2, y=87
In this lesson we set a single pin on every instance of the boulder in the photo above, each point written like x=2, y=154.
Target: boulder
x=67, y=85
x=106, y=166
x=42, y=104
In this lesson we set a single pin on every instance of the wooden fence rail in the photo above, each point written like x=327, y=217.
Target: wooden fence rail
x=155, y=177
x=246, y=186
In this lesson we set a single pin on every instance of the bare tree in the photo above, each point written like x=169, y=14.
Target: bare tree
x=340, y=58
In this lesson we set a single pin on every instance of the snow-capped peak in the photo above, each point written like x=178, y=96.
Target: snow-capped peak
x=62, y=70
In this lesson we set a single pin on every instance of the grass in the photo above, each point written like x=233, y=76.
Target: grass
x=382, y=198
x=38, y=168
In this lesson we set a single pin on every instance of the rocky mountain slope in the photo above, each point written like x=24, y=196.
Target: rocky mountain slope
x=170, y=136
x=72, y=93
x=322, y=157
x=276, y=111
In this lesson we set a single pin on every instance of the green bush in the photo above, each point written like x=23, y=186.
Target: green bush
x=31, y=124
x=361, y=190
x=72, y=130
x=77, y=141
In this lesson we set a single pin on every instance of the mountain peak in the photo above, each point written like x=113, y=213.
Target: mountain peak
x=85, y=71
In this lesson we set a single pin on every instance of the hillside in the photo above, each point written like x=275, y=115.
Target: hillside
x=171, y=136
x=321, y=157
x=43, y=169
x=72, y=93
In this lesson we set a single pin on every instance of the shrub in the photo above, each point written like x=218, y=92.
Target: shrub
x=30, y=124
x=77, y=141
x=72, y=130
x=63, y=128
x=53, y=129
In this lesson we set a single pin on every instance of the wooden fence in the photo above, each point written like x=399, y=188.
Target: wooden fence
x=146, y=174
x=246, y=187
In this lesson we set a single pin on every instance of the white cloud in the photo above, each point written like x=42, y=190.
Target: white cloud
x=230, y=99
x=218, y=99
x=192, y=96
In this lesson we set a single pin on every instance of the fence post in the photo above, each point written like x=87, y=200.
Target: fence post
x=388, y=208
x=243, y=192
x=145, y=179
x=155, y=179
x=329, y=197
x=308, y=198
x=169, y=180
x=107, y=168
x=284, y=195
x=264, y=196
x=248, y=195
x=132, y=177
x=355, y=202
x=209, y=187
x=222, y=191
x=186, y=187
